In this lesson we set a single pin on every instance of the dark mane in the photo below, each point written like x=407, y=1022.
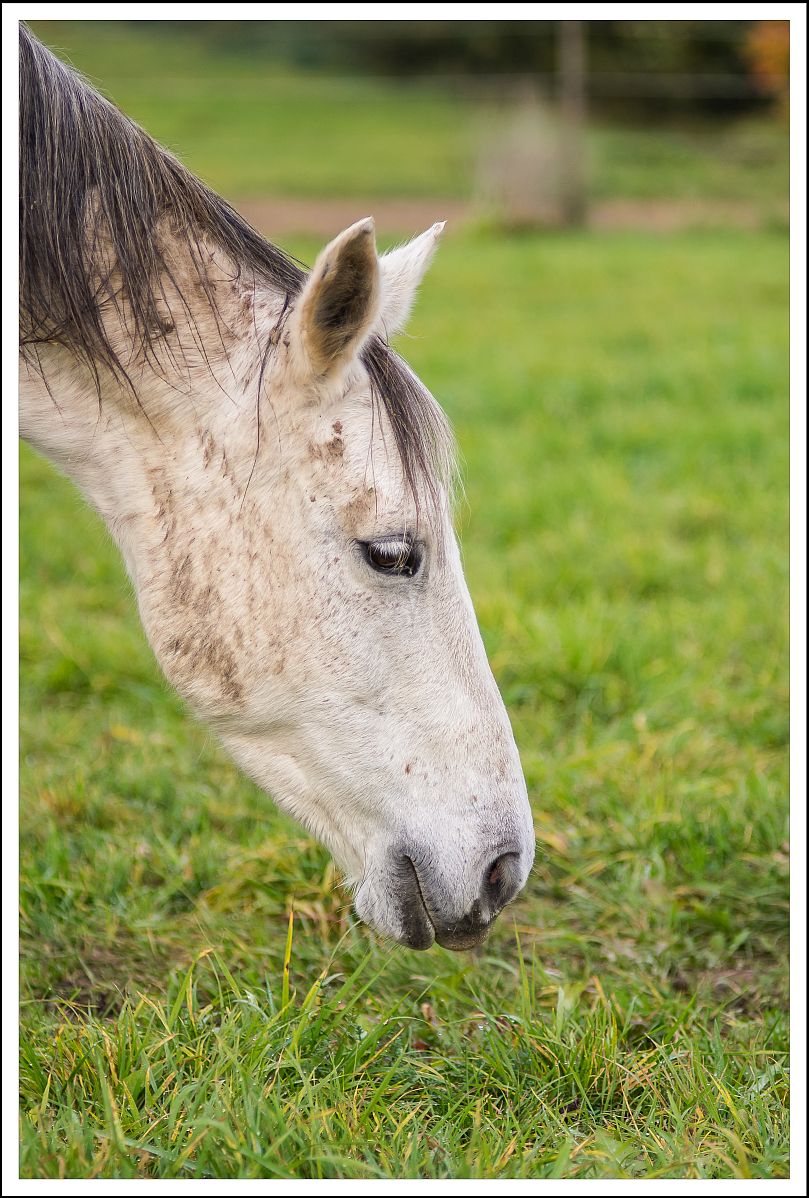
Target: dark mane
x=79, y=154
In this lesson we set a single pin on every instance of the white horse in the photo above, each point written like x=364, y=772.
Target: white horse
x=278, y=483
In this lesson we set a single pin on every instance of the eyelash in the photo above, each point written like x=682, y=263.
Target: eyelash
x=397, y=556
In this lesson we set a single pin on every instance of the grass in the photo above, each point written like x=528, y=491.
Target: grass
x=372, y=138
x=621, y=404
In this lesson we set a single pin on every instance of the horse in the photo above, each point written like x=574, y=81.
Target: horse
x=280, y=486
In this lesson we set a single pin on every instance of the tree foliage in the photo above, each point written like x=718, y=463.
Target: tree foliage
x=666, y=65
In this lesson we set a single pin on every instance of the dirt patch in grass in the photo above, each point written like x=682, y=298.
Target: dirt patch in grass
x=100, y=977
x=747, y=988
x=277, y=216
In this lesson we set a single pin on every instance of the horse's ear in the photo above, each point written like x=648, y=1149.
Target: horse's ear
x=401, y=271
x=339, y=303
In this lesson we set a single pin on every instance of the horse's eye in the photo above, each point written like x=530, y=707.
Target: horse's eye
x=393, y=555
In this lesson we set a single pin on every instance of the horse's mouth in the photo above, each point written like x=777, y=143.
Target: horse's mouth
x=421, y=920
x=416, y=905
x=418, y=929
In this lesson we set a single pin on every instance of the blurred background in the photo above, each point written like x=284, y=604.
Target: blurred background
x=620, y=123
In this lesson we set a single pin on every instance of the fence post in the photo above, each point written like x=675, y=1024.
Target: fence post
x=572, y=111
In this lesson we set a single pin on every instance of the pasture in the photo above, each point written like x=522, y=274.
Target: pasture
x=621, y=406
x=620, y=401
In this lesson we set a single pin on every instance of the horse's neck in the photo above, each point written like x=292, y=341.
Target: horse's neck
x=88, y=438
x=65, y=417
x=127, y=452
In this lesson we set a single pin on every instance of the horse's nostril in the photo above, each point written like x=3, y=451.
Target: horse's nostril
x=501, y=881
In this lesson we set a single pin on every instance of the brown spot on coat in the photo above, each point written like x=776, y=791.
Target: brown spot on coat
x=327, y=451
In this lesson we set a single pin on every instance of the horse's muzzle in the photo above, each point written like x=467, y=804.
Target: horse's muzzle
x=423, y=904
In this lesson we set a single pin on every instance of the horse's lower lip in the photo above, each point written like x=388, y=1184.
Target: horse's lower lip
x=459, y=943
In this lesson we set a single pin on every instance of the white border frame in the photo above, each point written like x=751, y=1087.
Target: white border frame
x=796, y=14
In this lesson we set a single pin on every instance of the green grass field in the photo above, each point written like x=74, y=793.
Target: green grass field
x=621, y=405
